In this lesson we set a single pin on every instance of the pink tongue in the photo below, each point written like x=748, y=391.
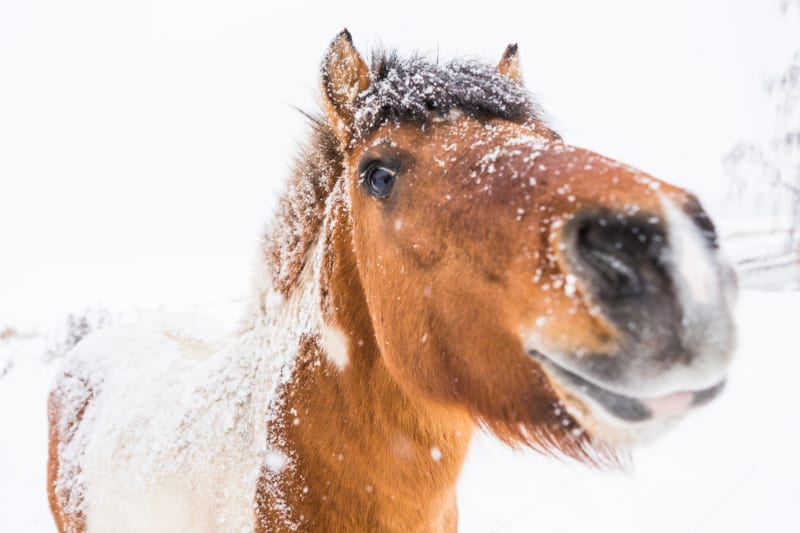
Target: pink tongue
x=670, y=405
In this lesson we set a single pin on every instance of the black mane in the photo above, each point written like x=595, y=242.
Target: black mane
x=416, y=90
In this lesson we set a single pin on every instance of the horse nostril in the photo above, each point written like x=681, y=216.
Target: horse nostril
x=618, y=255
x=606, y=261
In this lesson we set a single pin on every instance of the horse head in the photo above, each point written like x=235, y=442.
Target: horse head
x=564, y=299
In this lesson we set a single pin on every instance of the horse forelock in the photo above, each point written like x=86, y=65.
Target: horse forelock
x=415, y=89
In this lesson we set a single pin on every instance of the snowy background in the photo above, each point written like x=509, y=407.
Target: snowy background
x=143, y=145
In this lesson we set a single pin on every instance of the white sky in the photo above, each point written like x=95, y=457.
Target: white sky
x=159, y=132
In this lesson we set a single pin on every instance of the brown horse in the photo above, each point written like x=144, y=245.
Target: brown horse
x=441, y=260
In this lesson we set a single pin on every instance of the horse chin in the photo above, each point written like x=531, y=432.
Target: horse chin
x=615, y=418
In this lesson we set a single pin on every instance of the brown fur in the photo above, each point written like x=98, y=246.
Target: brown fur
x=464, y=263
x=431, y=288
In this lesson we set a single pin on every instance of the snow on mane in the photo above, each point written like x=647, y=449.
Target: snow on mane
x=417, y=90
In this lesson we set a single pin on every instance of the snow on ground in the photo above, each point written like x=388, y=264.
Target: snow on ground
x=731, y=466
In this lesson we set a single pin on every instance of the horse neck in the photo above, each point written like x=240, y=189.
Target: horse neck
x=364, y=454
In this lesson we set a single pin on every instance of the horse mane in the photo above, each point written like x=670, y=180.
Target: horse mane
x=301, y=209
x=410, y=89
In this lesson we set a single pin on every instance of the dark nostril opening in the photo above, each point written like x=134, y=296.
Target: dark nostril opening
x=606, y=260
x=619, y=255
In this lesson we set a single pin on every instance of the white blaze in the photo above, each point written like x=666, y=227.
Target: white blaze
x=694, y=268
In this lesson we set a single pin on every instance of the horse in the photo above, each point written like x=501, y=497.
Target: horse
x=440, y=262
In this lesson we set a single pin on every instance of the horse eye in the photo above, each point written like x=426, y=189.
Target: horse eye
x=378, y=180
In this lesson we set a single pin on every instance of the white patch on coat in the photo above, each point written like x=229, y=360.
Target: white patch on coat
x=334, y=342
x=174, y=435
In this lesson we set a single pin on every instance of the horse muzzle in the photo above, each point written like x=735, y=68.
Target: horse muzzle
x=659, y=281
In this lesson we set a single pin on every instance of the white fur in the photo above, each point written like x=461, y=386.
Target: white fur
x=176, y=434
x=694, y=270
x=334, y=342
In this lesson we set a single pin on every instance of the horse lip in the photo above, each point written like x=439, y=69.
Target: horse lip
x=626, y=408
x=706, y=395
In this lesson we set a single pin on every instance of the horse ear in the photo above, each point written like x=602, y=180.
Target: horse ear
x=344, y=76
x=509, y=63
